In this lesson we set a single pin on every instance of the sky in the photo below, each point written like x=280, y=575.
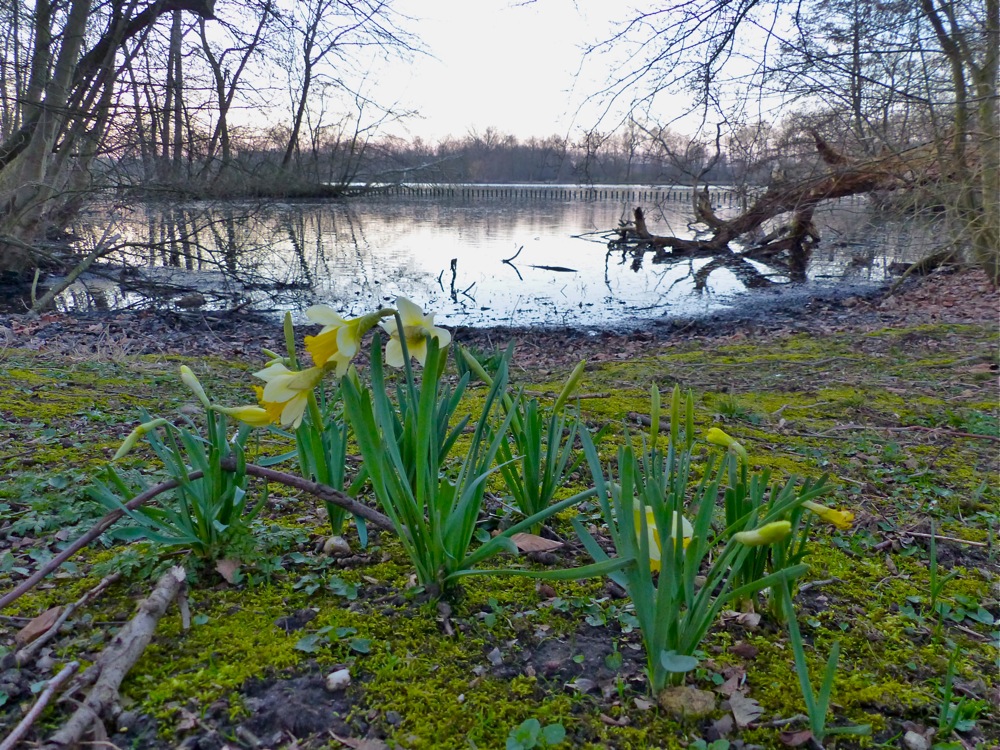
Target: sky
x=500, y=64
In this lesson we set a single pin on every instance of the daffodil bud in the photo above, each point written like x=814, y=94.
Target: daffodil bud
x=842, y=519
x=255, y=416
x=769, y=533
x=191, y=381
x=136, y=435
x=718, y=437
x=571, y=383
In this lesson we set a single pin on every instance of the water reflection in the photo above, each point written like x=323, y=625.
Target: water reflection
x=474, y=262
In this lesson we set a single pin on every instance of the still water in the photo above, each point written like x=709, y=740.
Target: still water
x=449, y=255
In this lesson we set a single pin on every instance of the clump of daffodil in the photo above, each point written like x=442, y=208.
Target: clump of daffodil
x=842, y=519
x=340, y=338
x=136, y=435
x=287, y=390
x=769, y=533
x=653, y=533
x=416, y=329
x=718, y=437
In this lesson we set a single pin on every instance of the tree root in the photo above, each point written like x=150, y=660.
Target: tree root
x=117, y=659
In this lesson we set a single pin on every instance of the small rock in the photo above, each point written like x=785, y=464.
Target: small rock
x=338, y=680
x=188, y=301
x=336, y=546
x=914, y=741
x=685, y=702
x=393, y=718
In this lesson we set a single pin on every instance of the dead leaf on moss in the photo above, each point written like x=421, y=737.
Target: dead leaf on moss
x=745, y=710
x=37, y=627
x=534, y=543
x=228, y=569
x=795, y=739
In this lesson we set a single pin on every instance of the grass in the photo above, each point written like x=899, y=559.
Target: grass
x=906, y=430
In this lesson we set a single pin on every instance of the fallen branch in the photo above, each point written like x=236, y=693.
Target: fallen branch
x=28, y=652
x=945, y=538
x=117, y=659
x=321, y=491
x=11, y=740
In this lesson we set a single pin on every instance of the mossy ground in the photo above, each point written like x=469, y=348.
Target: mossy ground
x=905, y=421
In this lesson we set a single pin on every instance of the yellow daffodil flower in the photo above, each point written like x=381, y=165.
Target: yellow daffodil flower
x=255, y=416
x=289, y=390
x=769, y=533
x=340, y=338
x=136, y=435
x=417, y=328
x=687, y=531
x=718, y=437
x=191, y=381
x=842, y=519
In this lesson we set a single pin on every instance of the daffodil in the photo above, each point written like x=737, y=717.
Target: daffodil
x=289, y=389
x=255, y=416
x=769, y=533
x=417, y=328
x=191, y=381
x=842, y=519
x=718, y=437
x=136, y=435
x=653, y=533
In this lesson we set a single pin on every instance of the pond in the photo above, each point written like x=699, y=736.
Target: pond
x=474, y=261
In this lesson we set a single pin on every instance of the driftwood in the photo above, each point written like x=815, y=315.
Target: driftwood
x=115, y=662
x=842, y=178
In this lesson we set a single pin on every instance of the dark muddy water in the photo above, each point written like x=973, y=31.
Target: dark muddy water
x=448, y=255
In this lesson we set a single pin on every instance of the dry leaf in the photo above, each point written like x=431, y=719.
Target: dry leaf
x=795, y=739
x=745, y=710
x=37, y=627
x=642, y=704
x=622, y=722
x=228, y=569
x=534, y=543
x=744, y=650
x=730, y=686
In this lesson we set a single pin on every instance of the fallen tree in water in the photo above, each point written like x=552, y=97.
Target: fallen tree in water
x=780, y=223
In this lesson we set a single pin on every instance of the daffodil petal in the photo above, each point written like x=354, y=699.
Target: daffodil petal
x=394, y=353
x=324, y=315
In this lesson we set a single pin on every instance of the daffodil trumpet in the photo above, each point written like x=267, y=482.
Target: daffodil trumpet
x=340, y=339
x=653, y=533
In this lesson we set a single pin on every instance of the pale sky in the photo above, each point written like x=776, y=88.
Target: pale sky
x=499, y=64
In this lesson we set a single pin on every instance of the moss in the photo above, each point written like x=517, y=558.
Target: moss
x=808, y=406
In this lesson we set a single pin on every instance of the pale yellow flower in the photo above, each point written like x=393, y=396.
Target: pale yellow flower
x=718, y=437
x=339, y=339
x=769, y=533
x=417, y=328
x=842, y=519
x=255, y=416
x=191, y=381
x=687, y=531
x=137, y=434
x=288, y=389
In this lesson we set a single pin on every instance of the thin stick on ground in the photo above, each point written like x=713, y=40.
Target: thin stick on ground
x=321, y=491
x=24, y=655
x=117, y=659
x=11, y=740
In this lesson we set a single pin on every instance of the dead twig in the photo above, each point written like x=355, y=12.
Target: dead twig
x=945, y=538
x=314, y=488
x=11, y=740
x=116, y=661
x=28, y=652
